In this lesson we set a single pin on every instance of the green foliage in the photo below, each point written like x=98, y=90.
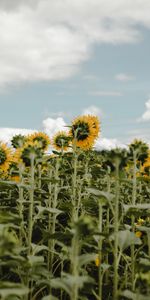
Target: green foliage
x=77, y=226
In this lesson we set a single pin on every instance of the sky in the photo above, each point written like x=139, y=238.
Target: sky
x=63, y=58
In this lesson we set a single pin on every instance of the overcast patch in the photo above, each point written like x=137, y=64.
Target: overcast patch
x=49, y=40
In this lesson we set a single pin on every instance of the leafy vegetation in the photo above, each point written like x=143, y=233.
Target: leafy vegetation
x=74, y=225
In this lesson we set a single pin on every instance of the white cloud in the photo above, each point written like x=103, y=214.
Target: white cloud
x=48, y=40
x=6, y=134
x=146, y=115
x=93, y=110
x=51, y=126
x=140, y=133
x=105, y=93
x=124, y=77
x=108, y=144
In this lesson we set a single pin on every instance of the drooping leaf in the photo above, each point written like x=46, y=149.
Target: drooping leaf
x=133, y=296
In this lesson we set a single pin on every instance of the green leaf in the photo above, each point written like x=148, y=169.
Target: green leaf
x=102, y=194
x=49, y=297
x=86, y=258
x=105, y=267
x=12, y=289
x=38, y=248
x=137, y=207
x=96, y=192
x=67, y=282
x=130, y=295
x=42, y=210
x=35, y=260
x=126, y=238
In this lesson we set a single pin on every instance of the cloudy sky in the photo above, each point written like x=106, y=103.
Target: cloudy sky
x=63, y=58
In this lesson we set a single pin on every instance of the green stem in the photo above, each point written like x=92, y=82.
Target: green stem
x=78, y=202
x=116, y=228
x=148, y=239
x=30, y=220
x=75, y=264
x=31, y=206
x=100, y=251
x=133, y=221
x=39, y=176
x=107, y=224
x=54, y=205
x=74, y=183
x=21, y=207
x=49, y=263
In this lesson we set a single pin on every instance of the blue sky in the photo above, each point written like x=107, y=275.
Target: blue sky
x=100, y=65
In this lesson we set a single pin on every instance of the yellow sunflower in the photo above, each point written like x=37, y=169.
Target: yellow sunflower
x=84, y=131
x=5, y=157
x=16, y=158
x=29, y=151
x=146, y=166
x=18, y=141
x=61, y=141
x=15, y=178
x=96, y=125
x=40, y=137
x=138, y=234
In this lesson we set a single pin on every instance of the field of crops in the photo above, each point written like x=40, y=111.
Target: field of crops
x=74, y=223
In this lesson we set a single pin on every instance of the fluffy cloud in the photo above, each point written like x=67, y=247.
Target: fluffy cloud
x=48, y=40
x=49, y=126
x=92, y=110
x=124, y=77
x=6, y=134
x=146, y=116
x=52, y=126
x=108, y=144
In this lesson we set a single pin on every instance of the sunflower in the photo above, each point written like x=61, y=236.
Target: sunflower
x=61, y=141
x=15, y=178
x=18, y=141
x=84, y=131
x=42, y=139
x=5, y=157
x=146, y=166
x=138, y=234
x=29, y=151
x=96, y=125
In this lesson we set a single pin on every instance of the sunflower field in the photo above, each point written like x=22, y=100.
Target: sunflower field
x=74, y=222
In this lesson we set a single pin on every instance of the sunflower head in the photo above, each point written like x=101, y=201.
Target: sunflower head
x=5, y=157
x=96, y=125
x=140, y=148
x=18, y=141
x=61, y=141
x=15, y=178
x=84, y=131
x=146, y=166
x=41, y=138
x=30, y=151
